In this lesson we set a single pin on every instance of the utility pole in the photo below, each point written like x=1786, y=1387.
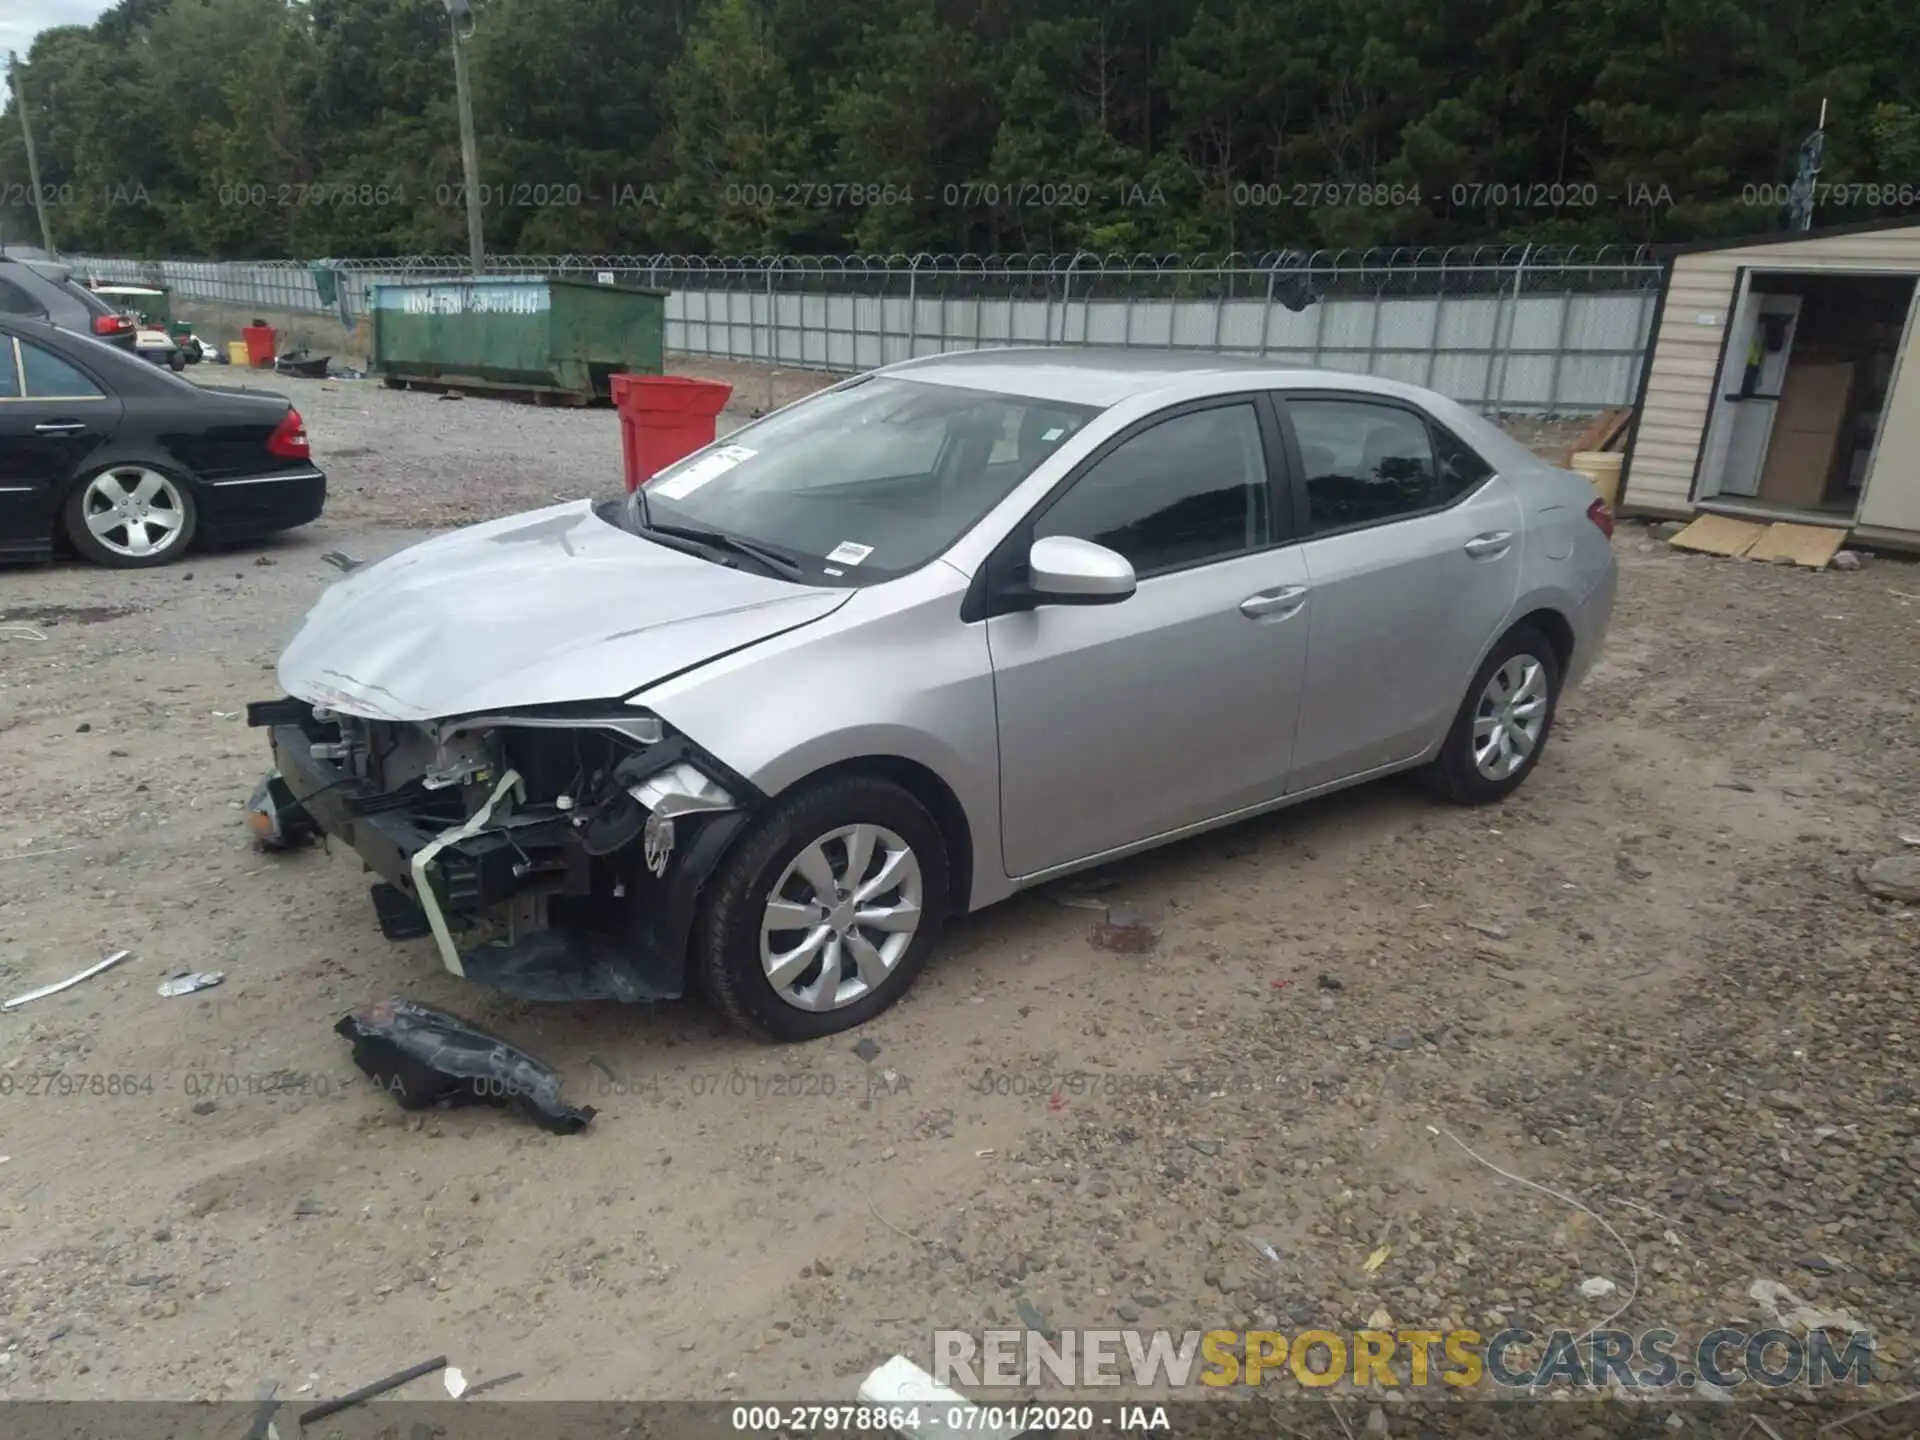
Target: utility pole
x=33, y=160
x=460, y=12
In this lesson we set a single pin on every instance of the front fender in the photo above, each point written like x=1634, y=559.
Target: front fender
x=893, y=674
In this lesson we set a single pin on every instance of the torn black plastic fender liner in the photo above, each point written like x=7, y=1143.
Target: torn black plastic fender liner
x=425, y=1057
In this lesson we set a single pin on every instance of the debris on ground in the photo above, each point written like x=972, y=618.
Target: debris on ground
x=1327, y=982
x=342, y=561
x=186, y=983
x=276, y=818
x=1597, y=1287
x=425, y=1057
x=367, y=1392
x=456, y=1382
x=54, y=989
x=867, y=1048
x=902, y=1385
x=1127, y=929
x=1894, y=877
x=1790, y=1310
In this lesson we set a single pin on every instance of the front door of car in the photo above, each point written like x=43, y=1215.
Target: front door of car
x=1119, y=722
x=1413, y=550
x=52, y=416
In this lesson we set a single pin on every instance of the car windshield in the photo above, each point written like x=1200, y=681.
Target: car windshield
x=861, y=483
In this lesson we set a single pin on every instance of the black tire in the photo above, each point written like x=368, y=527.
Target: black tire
x=1452, y=774
x=727, y=935
x=74, y=521
x=176, y=362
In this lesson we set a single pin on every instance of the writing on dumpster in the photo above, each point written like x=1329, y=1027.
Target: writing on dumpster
x=464, y=299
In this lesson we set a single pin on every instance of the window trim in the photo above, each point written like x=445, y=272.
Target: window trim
x=997, y=589
x=1297, y=465
x=20, y=378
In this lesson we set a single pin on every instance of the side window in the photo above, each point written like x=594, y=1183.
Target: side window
x=1461, y=470
x=1365, y=463
x=50, y=377
x=16, y=301
x=9, y=371
x=1189, y=490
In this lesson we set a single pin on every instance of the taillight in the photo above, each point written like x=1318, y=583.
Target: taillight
x=289, y=438
x=1600, y=515
x=112, y=324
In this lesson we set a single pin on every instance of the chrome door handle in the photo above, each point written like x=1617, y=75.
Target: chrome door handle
x=1490, y=546
x=1282, y=602
x=59, y=427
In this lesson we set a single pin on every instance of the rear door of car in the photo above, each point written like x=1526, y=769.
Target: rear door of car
x=1412, y=548
x=53, y=415
x=1121, y=722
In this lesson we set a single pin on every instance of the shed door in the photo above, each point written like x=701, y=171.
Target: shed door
x=1890, y=498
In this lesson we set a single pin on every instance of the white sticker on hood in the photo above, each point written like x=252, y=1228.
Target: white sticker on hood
x=849, y=553
x=708, y=467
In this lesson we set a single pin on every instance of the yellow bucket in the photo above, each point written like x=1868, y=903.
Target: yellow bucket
x=237, y=352
x=1602, y=467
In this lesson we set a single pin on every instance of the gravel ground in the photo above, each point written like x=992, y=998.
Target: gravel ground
x=1651, y=981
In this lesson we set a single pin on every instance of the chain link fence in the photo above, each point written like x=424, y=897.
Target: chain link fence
x=1506, y=329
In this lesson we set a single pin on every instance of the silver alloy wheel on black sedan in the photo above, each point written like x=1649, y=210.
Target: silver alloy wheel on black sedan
x=132, y=515
x=841, y=917
x=1511, y=716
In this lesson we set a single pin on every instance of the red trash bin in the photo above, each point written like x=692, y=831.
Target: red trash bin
x=664, y=418
x=260, y=345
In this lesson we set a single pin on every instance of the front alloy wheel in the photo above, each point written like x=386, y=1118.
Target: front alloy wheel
x=131, y=515
x=841, y=917
x=824, y=910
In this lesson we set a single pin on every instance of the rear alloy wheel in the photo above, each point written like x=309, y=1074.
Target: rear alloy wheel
x=822, y=914
x=1503, y=724
x=128, y=516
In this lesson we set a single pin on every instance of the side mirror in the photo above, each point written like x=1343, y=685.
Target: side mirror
x=1063, y=570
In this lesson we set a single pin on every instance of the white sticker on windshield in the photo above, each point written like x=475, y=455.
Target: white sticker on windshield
x=708, y=467
x=848, y=553
x=1054, y=434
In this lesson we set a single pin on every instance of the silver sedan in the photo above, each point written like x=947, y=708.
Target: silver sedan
x=940, y=633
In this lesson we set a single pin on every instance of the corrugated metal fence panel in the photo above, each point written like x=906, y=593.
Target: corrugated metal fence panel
x=1530, y=347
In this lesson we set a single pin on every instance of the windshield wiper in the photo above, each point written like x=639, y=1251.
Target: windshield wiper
x=720, y=540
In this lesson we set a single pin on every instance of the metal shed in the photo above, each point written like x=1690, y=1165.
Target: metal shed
x=1782, y=382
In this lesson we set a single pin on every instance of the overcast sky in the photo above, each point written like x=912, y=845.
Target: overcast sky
x=21, y=20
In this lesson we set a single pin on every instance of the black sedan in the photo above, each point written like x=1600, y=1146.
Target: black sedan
x=104, y=454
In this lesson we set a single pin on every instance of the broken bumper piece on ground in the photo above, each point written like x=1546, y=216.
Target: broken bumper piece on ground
x=425, y=1057
x=550, y=858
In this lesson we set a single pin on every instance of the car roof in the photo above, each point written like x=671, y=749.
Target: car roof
x=1102, y=377
x=46, y=269
x=1105, y=377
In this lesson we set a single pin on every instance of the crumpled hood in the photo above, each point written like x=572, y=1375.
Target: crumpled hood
x=551, y=606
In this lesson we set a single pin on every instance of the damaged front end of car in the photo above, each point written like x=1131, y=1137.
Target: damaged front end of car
x=555, y=853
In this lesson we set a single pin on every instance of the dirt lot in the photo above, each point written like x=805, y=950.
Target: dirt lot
x=1651, y=981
